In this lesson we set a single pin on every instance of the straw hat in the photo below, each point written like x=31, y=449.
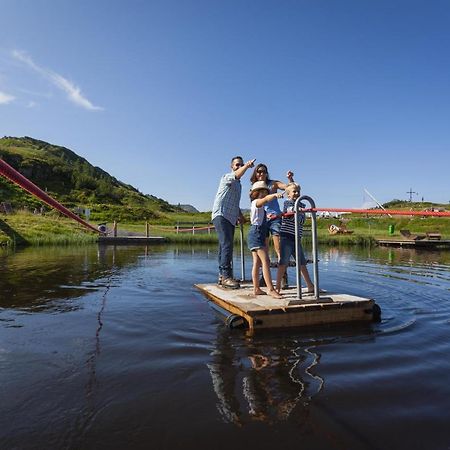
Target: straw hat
x=259, y=186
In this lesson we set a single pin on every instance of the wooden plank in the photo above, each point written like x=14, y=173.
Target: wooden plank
x=263, y=312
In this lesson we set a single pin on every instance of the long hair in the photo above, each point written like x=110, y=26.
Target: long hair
x=254, y=177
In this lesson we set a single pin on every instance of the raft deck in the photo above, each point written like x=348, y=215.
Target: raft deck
x=265, y=312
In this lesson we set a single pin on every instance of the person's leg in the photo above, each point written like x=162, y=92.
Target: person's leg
x=280, y=274
x=265, y=262
x=276, y=245
x=285, y=255
x=255, y=273
x=307, y=278
x=225, y=235
x=304, y=271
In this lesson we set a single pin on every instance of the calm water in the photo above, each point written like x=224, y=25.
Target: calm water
x=114, y=348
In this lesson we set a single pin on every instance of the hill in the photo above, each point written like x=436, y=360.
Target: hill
x=73, y=181
x=403, y=204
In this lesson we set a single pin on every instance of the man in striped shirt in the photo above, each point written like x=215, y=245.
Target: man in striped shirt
x=225, y=214
x=287, y=237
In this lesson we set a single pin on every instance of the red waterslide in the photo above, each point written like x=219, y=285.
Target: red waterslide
x=9, y=172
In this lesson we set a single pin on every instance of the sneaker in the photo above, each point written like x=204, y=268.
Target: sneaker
x=229, y=283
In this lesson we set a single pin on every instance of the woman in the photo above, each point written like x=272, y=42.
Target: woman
x=273, y=211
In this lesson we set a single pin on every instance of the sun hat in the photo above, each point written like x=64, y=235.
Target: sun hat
x=259, y=186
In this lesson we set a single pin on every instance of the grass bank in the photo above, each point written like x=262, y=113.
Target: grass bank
x=50, y=229
x=53, y=229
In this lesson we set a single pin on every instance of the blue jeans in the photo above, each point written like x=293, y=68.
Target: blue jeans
x=225, y=234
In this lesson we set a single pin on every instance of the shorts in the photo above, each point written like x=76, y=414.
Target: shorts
x=256, y=238
x=287, y=249
x=274, y=227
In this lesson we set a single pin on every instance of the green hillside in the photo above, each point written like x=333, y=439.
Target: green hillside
x=74, y=182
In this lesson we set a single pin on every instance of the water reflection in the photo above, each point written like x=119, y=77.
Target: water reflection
x=41, y=279
x=271, y=377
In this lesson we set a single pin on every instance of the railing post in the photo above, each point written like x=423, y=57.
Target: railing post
x=241, y=232
x=314, y=247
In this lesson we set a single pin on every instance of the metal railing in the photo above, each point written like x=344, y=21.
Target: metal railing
x=297, y=211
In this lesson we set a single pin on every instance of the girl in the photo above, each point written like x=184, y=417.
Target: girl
x=259, y=196
x=273, y=211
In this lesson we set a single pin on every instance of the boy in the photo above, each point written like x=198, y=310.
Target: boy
x=287, y=237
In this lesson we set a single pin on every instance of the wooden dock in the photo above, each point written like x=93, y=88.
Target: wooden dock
x=265, y=312
x=130, y=240
x=415, y=243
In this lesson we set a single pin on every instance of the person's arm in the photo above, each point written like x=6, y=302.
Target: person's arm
x=282, y=186
x=241, y=218
x=262, y=201
x=240, y=172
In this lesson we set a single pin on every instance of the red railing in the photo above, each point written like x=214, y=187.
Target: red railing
x=17, y=178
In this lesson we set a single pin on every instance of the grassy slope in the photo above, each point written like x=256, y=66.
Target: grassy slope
x=25, y=228
x=74, y=182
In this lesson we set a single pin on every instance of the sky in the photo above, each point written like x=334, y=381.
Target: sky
x=348, y=94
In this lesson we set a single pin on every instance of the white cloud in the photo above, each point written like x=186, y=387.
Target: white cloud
x=73, y=92
x=5, y=98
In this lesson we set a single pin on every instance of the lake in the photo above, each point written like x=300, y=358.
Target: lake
x=113, y=347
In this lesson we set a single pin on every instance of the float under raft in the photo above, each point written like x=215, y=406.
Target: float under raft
x=265, y=312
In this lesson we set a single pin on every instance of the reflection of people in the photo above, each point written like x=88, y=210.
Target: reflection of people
x=259, y=195
x=261, y=380
x=272, y=208
x=225, y=214
x=287, y=237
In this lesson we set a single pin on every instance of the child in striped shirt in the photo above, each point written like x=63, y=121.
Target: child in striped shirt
x=287, y=237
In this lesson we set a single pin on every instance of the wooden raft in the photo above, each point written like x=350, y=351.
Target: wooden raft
x=264, y=312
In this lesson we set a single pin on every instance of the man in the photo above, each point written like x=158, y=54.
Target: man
x=225, y=214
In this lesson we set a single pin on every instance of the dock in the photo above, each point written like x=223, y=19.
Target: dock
x=264, y=312
x=130, y=240
x=415, y=243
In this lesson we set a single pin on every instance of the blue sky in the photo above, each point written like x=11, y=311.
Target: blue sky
x=348, y=94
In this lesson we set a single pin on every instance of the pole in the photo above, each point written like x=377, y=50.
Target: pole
x=241, y=229
x=314, y=246
x=375, y=200
x=17, y=178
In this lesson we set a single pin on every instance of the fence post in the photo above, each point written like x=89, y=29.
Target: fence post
x=178, y=227
x=147, y=229
x=115, y=229
x=193, y=227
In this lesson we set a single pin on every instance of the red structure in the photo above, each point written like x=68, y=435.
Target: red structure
x=17, y=178
x=394, y=212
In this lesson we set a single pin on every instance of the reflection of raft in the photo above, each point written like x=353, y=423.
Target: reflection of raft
x=264, y=312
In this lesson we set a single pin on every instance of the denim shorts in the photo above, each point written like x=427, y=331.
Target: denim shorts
x=287, y=249
x=257, y=237
x=273, y=227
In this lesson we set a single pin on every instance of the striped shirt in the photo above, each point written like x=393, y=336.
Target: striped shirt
x=228, y=197
x=288, y=222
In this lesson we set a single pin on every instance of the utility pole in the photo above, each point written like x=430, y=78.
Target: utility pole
x=411, y=192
